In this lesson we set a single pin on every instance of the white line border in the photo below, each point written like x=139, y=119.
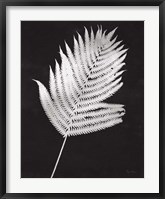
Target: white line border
x=150, y=184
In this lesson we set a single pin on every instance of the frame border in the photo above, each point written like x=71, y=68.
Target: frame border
x=3, y=5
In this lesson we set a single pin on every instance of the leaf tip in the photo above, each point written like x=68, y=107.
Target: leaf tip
x=38, y=83
x=60, y=50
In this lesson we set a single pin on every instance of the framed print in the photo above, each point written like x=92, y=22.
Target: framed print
x=82, y=99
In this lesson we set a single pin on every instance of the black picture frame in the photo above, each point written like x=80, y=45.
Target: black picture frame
x=3, y=5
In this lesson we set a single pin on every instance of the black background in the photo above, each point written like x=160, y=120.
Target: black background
x=116, y=152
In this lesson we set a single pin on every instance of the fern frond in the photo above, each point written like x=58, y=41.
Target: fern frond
x=89, y=74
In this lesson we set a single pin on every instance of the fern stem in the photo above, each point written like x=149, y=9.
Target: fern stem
x=58, y=157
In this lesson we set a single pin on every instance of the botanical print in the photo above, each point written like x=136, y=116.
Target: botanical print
x=78, y=97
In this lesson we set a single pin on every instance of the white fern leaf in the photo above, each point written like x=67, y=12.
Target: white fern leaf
x=87, y=76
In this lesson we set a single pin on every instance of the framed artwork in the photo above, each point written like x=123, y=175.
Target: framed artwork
x=82, y=99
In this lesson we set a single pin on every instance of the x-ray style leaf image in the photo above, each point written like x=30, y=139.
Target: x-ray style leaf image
x=88, y=74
